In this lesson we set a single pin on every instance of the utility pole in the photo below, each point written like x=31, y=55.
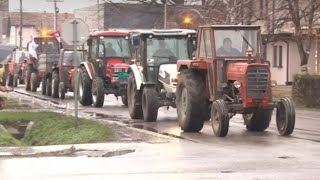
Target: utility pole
x=98, y=20
x=20, y=27
x=55, y=17
x=165, y=15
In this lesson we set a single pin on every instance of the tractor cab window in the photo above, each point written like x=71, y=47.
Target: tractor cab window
x=235, y=43
x=166, y=50
x=114, y=47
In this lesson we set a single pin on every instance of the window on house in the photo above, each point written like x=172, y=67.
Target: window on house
x=277, y=56
x=280, y=57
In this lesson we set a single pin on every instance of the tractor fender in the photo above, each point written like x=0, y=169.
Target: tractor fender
x=89, y=68
x=138, y=76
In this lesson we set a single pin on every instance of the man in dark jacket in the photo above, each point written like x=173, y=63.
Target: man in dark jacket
x=227, y=49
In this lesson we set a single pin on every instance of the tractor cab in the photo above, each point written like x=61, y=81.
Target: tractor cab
x=110, y=51
x=157, y=51
x=105, y=71
x=153, y=74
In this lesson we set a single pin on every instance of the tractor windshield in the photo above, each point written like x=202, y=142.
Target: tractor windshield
x=236, y=43
x=47, y=45
x=166, y=49
x=114, y=47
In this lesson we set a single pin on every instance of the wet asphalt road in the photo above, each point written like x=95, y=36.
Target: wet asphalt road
x=240, y=155
x=307, y=122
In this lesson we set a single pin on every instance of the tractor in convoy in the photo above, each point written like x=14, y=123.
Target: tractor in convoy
x=40, y=67
x=227, y=76
x=105, y=71
x=15, y=68
x=153, y=75
x=63, y=78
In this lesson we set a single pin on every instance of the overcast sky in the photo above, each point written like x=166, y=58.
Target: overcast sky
x=44, y=5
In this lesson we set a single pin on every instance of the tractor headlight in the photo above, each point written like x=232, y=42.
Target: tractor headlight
x=237, y=84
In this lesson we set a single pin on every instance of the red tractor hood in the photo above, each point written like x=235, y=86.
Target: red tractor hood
x=237, y=71
x=116, y=62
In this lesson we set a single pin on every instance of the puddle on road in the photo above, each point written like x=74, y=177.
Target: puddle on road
x=144, y=127
x=285, y=157
x=107, y=117
x=226, y=171
x=118, y=153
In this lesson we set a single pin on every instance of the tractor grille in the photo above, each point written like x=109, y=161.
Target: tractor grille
x=257, y=82
x=119, y=71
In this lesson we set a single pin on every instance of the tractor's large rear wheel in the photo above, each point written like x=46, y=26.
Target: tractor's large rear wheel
x=150, y=104
x=48, y=86
x=85, y=95
x=259, y=120
x=134, y=99
x=28, y=78
x=191, y=101
x=220, y=118
x=9, y=80
x=34, y=82
x=62, y=90
x=98, y=92
x=55, y=84
x=15, y=80
x=285, y=117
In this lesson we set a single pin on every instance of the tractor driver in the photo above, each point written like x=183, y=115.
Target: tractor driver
x=110, y=52
x=164, y=52
x=227, y=49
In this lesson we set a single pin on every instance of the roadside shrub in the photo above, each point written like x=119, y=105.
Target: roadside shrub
x=306, y=90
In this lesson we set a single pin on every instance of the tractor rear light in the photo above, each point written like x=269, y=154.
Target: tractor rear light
x=249, y=102
x=265, y=101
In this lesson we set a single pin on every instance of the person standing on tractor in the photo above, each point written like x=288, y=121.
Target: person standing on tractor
x=32, y=49
x=227, y=49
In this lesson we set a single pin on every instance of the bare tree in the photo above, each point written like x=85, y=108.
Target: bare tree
x=299, y=18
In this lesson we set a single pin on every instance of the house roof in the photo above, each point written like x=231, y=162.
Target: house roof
x=38, y=19
x=160, y=32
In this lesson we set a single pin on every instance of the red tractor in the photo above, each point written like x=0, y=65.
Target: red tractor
x=228, y=76
x=105, y=71
x=16, y=65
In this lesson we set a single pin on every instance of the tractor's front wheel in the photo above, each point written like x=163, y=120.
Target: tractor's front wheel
x=285, y=116
x=55, y=84
x=220, y=118
x=134, y=99
x=98, y=92
x=191, y=101
x=85, y=96
x=124, y=99
x=259, y=120
x=150, y=104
